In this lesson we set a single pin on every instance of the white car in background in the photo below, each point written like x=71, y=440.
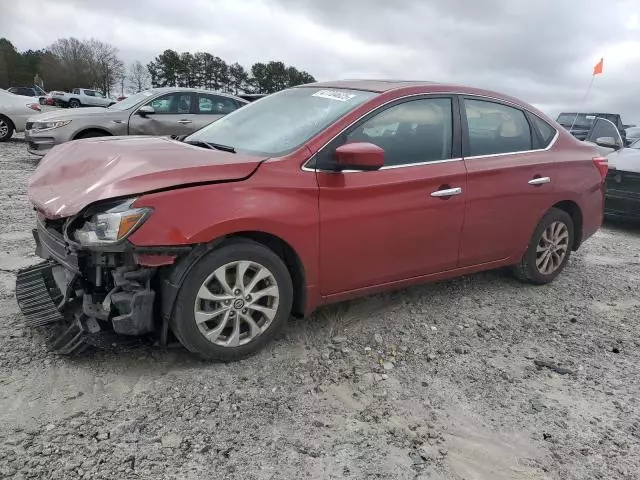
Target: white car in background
x=14, y=111
x=81, y=97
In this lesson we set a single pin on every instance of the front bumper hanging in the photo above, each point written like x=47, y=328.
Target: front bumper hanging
x=85, y=297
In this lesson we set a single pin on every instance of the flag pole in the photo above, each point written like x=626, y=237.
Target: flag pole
x=584, y=99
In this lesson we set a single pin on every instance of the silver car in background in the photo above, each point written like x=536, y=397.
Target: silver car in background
x=159, y=111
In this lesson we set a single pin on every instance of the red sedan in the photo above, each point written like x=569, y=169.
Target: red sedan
x=315, y=194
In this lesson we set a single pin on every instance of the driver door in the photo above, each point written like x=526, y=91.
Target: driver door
x=174, y=115
x=404, y=220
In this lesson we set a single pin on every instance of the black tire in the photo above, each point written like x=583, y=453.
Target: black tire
x=6, y=128
x=74, y=103
x=183, y=323
x=527, y=270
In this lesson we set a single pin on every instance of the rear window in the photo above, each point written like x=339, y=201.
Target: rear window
x=546, y=131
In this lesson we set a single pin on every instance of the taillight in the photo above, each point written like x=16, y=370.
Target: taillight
x=34, y=106
x=602, y=164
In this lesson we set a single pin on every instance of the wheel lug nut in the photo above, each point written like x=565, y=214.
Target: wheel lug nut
x=244, y=310
x=248, y=298
x=227, y=302
x=237, y=292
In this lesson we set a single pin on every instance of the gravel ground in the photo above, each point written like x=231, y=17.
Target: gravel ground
x=477, y=378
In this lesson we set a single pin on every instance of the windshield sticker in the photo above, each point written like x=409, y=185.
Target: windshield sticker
x=334, y=95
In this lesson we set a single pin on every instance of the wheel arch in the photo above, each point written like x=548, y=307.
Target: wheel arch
x=574, y=211
x=172, y=277
x=84, y=131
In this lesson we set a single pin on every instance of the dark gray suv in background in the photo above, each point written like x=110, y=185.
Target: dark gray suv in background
x=159, y=111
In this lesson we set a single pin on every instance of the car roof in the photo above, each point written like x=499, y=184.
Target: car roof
x=197, y=90
x=418, y=86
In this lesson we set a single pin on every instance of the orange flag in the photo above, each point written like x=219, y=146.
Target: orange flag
x=598, y=68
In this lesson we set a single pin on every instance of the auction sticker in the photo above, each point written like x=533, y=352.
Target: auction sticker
x=334, y=95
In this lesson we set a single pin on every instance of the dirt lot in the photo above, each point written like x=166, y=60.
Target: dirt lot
x=477, y=378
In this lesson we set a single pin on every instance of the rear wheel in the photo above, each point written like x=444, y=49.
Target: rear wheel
x=74, y=103
x=6, y=129
x=233, y=302
x=549, y=249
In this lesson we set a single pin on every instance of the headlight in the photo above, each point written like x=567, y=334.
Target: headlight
x=112, y=225
x=40, y=126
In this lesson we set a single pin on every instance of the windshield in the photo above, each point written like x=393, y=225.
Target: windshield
x=131, y=101
x=581, y=119
x=279, y=123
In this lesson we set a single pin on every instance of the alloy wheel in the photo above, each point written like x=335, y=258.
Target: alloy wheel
x=552, y=248
x=236, y=303
x=4, y=128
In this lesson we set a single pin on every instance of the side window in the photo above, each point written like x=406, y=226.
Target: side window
x=495, y=128
x=76, y=91
x=215, y=104
x=89, y=93
x=411, y=132
x=604, y=129
x=172, y=103
x=546, y=131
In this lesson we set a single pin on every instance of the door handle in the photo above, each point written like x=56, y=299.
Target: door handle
x=184, y=122
x=539, y=181
x=447, y=192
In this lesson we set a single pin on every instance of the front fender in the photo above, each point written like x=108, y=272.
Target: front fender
x=279, y=202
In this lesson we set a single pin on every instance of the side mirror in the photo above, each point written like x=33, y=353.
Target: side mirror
x=146, y=110
x=607, y=142
x=362, y=156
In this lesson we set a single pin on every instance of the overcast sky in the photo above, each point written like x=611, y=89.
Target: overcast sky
x=542, y=51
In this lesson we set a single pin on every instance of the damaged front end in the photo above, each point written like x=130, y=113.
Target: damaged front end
x=91, y=289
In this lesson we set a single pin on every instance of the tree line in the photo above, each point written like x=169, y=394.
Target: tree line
x=70, y=63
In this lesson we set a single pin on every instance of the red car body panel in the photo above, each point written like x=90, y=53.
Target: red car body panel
x=380, y=227
x=355, y=232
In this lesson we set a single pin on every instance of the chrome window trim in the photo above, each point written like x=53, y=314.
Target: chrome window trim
x=388, y=167
x=304, y=167
x=548, y=147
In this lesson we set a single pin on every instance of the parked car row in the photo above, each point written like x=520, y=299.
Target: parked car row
x=161, y=111
x=311, y=195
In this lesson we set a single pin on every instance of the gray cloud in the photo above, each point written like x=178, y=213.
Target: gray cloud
x=542, y=52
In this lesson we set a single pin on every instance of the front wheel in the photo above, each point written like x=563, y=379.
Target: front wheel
x=233, y=302
x=548, y=250
x=74, y=103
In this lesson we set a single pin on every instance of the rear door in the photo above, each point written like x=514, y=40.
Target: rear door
x=210, y=108
x=174, y=115
x=510, y=178
x=404, y=220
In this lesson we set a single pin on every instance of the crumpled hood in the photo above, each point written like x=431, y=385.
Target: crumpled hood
x=79, y=173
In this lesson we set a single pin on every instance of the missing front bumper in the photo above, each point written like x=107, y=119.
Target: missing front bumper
x=87, y=297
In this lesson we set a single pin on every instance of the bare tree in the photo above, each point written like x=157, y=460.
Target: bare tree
x=106, y=67
x=139, y=76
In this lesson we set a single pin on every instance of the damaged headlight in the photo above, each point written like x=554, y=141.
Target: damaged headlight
x=111, y=225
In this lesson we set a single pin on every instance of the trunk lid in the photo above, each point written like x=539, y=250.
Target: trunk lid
x=79, y=173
